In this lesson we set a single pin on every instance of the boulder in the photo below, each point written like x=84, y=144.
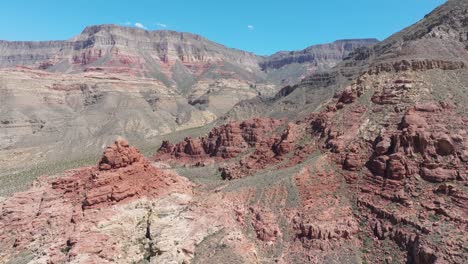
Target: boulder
x=378, y=165
x=427, y=107
x=119, y=155
x=412, y=120
x=348, y=95
x=265, y=224
x=352, y=162
x=444, y=145
x=438, y=174
x=396, y=167
x=383, y=146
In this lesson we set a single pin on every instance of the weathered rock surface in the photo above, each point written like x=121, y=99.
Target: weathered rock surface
x=226, y=141
x=119, y=155
x=265, y=225
x=64, y=213
x=256, y=142
x=423, y=145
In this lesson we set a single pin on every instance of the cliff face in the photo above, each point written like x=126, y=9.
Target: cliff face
x=165, y=55
x=115, y=46
x=318, y=55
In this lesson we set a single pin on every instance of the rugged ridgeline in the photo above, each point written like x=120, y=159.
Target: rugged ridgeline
x=437, y=42
x=288, y=67
x=113, y=48
x=112, y=80
x=172, y=57
x=326, y=54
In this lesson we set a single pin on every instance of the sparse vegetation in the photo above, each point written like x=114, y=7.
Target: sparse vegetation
x=14, y=181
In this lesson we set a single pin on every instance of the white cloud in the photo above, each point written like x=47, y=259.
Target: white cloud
x=140, y=25
x=250, y=27
x=159, y=24
x=128, y=23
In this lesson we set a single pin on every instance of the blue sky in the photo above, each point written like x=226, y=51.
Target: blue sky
x=262, y=26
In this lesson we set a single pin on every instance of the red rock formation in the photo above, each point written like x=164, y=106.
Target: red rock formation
x=87, y=56
x=226, y=141
x=281, y=151
x=330, y=231
x=336, y=136
x=119, y=155
x=321, y=222
x=421, y=145
x=348, y=95
x=263, y=156
x=234, y=139
x=61, y=211
x=426, y=147
x=288, y=139
x=392, y=93
x=265, y=224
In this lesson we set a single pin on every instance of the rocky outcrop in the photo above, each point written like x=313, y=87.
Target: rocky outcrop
x=281, y=150
x=434, y=173
x=321, y=223
x=265, y=224
x=392, y=93
x=421, y=145
x=347, y=96
x=119, y=155
x=262, y=156
x=288, y=139
x=329, y=231
x=406, y=156
x=255, y=142
x=417, y=65
x=61, y=211
x=226, y=141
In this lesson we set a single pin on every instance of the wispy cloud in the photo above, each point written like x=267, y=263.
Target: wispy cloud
x=250, y=27
x=162, y=25
x=140, y=25
x=127, y=23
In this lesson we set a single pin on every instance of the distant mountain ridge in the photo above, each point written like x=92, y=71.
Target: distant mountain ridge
x=335, y=51
x=138, y=52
